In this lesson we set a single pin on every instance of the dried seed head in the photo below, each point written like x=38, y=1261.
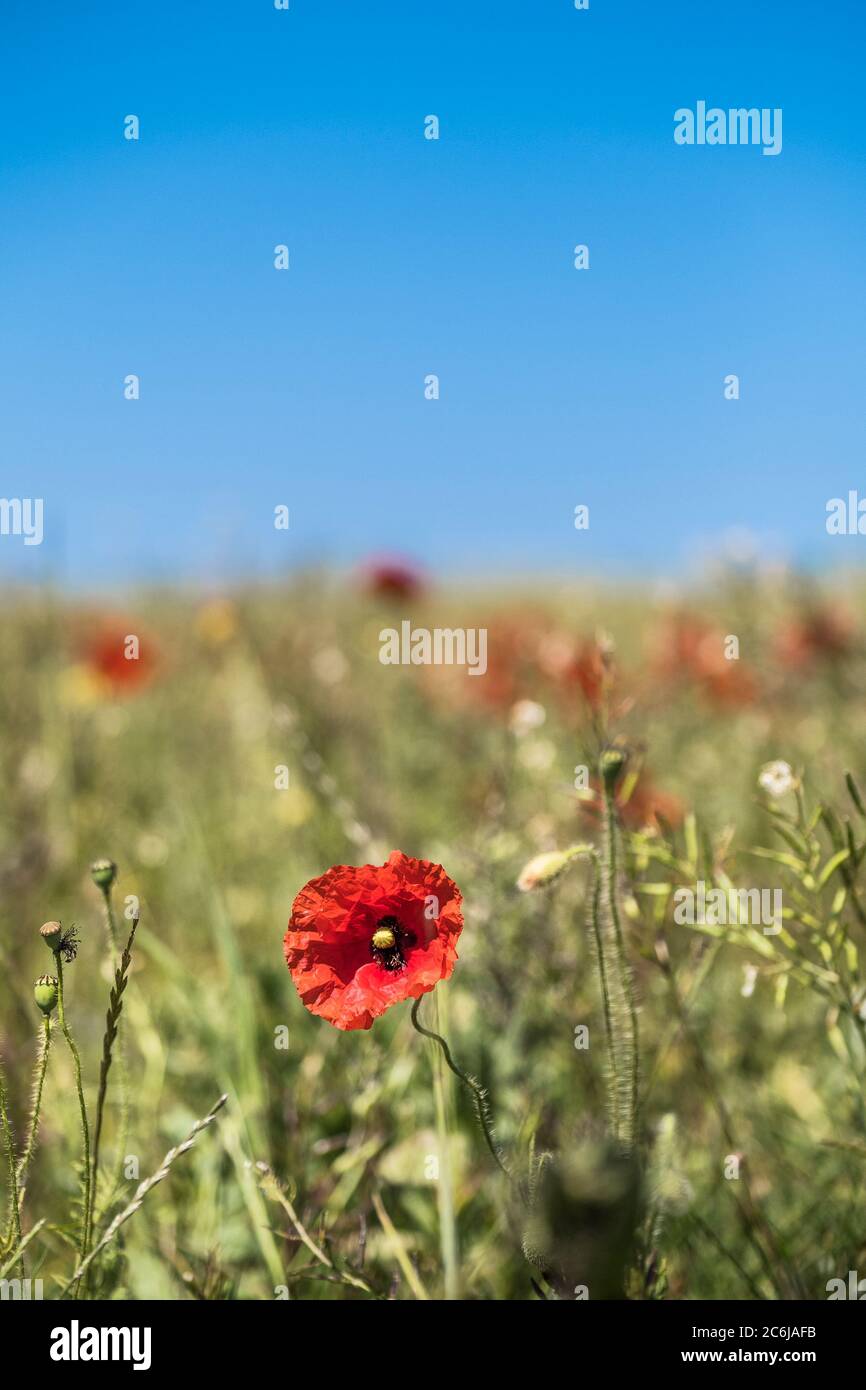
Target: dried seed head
x=69, y=944
x=103, y=872
x=45, y=993
x=52, y=935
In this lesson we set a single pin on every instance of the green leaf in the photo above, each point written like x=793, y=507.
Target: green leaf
x=778, y=857
x=831, y=866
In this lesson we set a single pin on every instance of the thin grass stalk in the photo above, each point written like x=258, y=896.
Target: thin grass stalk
x=444, y=1177
x=122, y=1059
x=273, y=1189
x=85, y=1127
x=141, y=1192
x=17, y=1251
x=112, y=1028
x=755, y=1224
x=398, y=1246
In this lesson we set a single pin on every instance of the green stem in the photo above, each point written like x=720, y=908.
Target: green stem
x=444, y=1175
x=479, y=1095
x=85, y=1128
x=9, y=1145
x=110, y=924
x=603, y=980
x=626, y=1037
x=41, y=1069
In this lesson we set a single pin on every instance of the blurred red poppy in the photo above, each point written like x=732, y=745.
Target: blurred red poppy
x=391, y=577
x=821, y=635
x=362, y=939
x=646, y=806
x=688, y=648
x=586, y=665
x=120, y=658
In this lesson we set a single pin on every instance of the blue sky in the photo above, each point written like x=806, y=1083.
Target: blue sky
x=410, y=257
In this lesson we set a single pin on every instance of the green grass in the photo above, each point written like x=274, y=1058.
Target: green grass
x=316, y=1176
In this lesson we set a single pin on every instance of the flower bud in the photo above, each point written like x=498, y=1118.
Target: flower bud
x=52, y=935
x=613, y=760
x=103, y=872
x=546, y=868
x=45, y=993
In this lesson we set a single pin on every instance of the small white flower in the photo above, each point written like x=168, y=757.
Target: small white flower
x=777, y=779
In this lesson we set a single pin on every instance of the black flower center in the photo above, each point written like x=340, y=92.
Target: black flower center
x=389, y=942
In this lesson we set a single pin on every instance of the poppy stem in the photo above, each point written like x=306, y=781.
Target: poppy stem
x=9, y=1146
x=38, y=1084
x=603, y=980
x=624, y=1011
x=479, y=1095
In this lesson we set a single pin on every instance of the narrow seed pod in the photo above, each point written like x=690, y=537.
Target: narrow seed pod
x=52, y=935
x=103, y=872
x=45, y=993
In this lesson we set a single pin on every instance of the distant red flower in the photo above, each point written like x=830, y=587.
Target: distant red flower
x=822, y=635
x=391, y=577
x=586, y=664
x=690, y=649
x=362, y=939
x=646, y=807
x=121, y=657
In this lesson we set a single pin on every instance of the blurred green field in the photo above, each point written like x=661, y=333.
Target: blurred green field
x=372, y=1140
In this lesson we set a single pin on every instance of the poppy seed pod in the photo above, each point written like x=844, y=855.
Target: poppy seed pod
x=45, y=993
x=52, y=935
x=103, y=872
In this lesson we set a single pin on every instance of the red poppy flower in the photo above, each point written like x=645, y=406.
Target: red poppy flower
x=391, y=577
x=120, y=659
x=362, y=939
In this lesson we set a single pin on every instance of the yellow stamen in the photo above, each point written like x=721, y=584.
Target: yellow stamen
x=384, y=939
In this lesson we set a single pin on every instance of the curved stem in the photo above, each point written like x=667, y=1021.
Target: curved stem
x=85, y=1128
x=479, y=1095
